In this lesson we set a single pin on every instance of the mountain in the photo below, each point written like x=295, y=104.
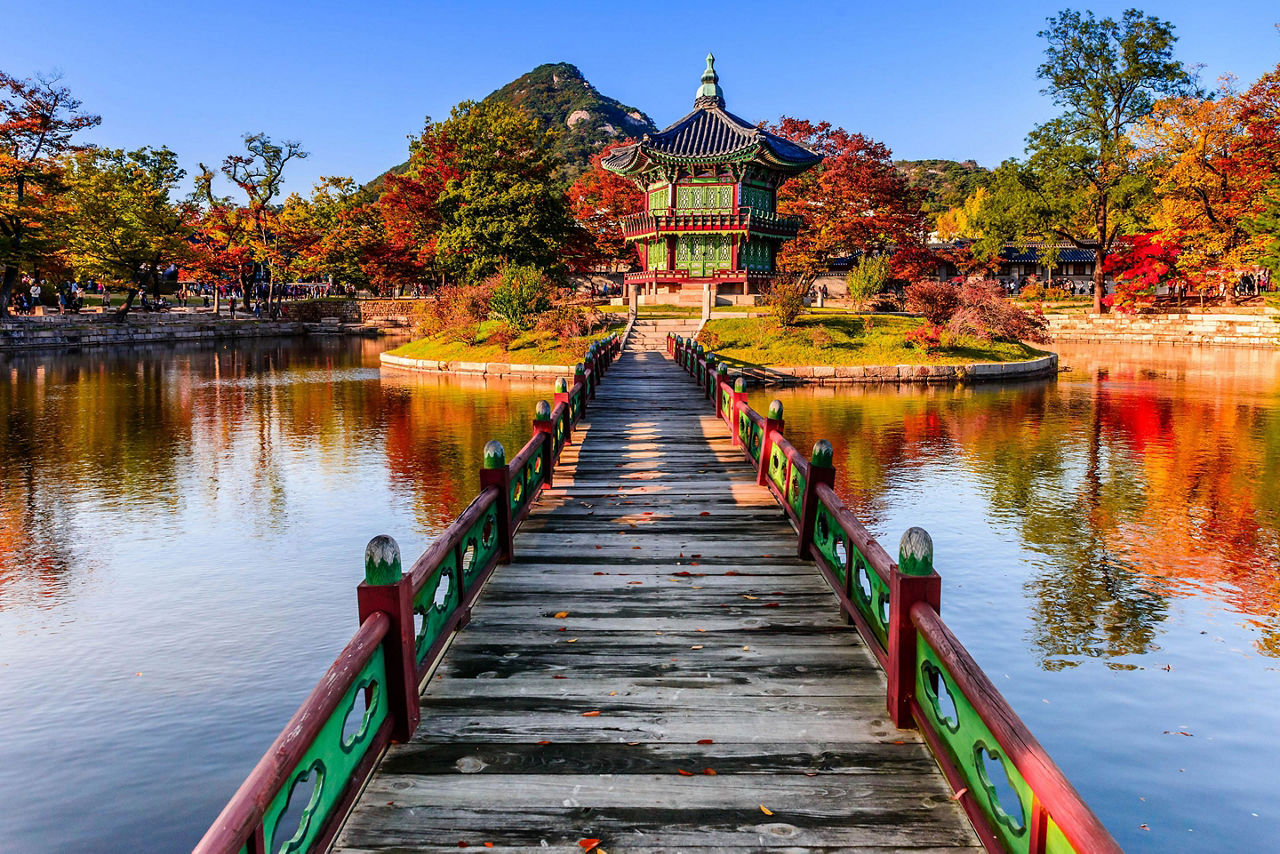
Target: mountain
x=946, y=183
x=560, y=97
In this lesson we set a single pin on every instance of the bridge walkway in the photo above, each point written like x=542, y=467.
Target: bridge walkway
x=656, y=670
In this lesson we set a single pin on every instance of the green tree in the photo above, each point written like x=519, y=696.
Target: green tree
x=121, y=222
x=502, y=206
x=867, y=278
x=1267, y=226
x=1081, y=182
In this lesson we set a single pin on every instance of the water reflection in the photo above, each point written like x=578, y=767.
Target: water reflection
x=1108, y=543
x=181, y=530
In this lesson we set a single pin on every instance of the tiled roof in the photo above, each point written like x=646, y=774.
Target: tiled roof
x=1012, y=255
x=712, y=133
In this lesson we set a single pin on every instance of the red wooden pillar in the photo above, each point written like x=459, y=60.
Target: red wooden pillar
x=387, y=589
x=820, y=472
x=543, y=424
x=496, y=473
x=739, y=403
x=772, y=424
x=912, y=581
x=562, y=396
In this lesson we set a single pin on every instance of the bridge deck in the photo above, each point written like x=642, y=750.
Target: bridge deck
x=701, y=692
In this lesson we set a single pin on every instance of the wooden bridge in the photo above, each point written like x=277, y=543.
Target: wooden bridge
x=690, y=643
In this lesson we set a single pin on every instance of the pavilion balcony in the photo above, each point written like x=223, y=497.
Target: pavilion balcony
x=746, y=221
x=647, y=277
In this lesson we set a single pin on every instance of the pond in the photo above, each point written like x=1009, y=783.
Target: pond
x=1109, y=544
x=182, y=529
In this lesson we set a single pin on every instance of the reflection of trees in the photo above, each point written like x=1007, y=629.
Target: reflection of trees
x=1130, y=490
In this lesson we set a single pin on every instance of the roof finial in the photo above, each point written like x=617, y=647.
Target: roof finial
x=709, y=93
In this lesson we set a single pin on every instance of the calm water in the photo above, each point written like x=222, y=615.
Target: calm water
x=1109, y=545
x=181, y=533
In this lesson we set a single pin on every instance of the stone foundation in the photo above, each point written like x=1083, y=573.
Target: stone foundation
x=1243, y=329
x=1045, y=366
x=90, y=331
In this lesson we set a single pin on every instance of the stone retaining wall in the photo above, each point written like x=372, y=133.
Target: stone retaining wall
x=86, y=332
x=1256, y=329
x=1045, y=366
x=488, y=369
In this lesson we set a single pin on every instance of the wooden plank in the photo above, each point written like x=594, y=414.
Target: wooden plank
x=692, y=638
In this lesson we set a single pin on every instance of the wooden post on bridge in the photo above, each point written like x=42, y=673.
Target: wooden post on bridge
x=386, y=588
x=820, y=471
x=542, y=423
x=912, y=581
x=709, y=382
x=772, y=423
x=496, y=473
x=562, y=396
x=580, y=378
x=719, y=375
x=732, y=416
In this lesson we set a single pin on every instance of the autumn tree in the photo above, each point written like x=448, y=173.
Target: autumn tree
x=259, y=175
x=599, y=199
x=855, y=201
x=38, y=119
x=121, y=222
x=331, y=233
x=1081, y=182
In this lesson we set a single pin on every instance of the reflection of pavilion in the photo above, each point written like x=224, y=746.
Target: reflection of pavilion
x=711, y=181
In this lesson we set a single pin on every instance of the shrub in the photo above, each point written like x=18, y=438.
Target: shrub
x=784, y=297
x=926, y=337
x=985, y=313
x=1055, y=293
x=1032, y=291
x=502, y=336
x=564, y=321
x=708, y=339
x=868, y=278
x=454, y=307
x=936, y=301
x=519, y=294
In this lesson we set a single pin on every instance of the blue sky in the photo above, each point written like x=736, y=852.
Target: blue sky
x=352, y=79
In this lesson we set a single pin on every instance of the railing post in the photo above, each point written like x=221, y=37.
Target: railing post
x=562, y=396
x=771, y=423
x=580, y=378
x=912, y=581
x=705, y=381
x=721, y=375
x=542, y=423
x=385, y=588
x=496, y=473
x=820, y=472
x=739, y=398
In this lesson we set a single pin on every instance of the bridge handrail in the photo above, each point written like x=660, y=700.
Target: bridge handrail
x=933, y=683
x=406, y=622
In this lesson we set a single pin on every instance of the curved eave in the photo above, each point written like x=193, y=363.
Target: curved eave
x=754, y=153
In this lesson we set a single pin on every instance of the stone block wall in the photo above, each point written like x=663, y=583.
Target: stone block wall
x=1254, y=329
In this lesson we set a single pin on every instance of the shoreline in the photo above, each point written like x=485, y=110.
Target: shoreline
x=97, y=330
x=975, y=372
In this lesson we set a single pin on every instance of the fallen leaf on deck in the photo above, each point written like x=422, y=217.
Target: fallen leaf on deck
x=705, y=513
x=613, y=693
x=488, y=845
x=572, y=640
x=635, y=547
x=635, y=582
x=684, y=773
x=764, y=809
x=733, y=572
x=959, y=794
x=588, y=844
x=696, y=646
x=749, y=596
x=594, y=714
x=560, y=615
x=702, y=630
x=544, y=742
x=559, y=677
x=706, y=741
x=771, y=605
x=710, y=772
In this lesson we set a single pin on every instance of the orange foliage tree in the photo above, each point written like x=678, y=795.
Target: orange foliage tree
x=598, y=199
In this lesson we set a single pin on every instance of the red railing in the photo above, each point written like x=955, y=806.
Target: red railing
x=298, y=795
x=1014, y=795
x=745, y=219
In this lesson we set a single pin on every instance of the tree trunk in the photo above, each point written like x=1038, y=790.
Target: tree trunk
x=6, y=288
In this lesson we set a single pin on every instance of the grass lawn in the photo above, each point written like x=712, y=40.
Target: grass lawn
x=832, y=339
x=531, y=348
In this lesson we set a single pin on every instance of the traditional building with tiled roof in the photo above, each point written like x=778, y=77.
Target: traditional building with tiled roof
x=711, y=182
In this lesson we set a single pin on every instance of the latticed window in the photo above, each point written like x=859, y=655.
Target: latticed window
x=757, y=198
x=658, y=199
x=704, y=198
x=657, y=255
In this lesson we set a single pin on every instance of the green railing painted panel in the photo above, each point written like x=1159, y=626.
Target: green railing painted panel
x=831, y=540
x=328, y=764
x=726, y=401
x=795, y=489
x=561, y=431
x=435, y=603
x=480, y=544
x=778, y=469
x=871, y=596
x=997, y=787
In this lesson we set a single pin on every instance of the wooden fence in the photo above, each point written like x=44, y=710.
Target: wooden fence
x=1017, y=799
x=297, y=796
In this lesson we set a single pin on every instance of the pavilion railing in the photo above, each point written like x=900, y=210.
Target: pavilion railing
x=298, y=795
x=1015, y=796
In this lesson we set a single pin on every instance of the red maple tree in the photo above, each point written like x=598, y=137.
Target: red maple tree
x=598, y=200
